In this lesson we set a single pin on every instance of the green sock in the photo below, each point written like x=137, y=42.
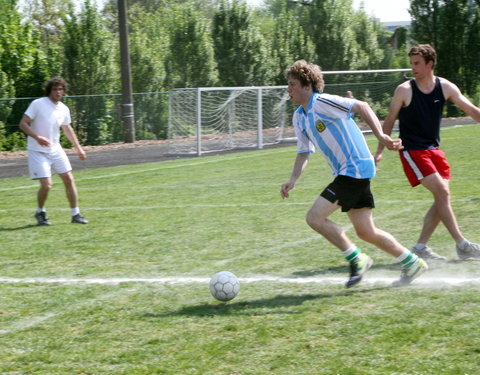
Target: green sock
x=351, y=253
x=407, y=259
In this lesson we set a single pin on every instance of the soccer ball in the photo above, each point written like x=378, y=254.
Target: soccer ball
x=224, y=286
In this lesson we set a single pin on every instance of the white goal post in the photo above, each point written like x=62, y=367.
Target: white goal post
x=213, y=119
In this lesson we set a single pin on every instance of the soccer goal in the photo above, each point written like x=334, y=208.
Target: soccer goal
x=213, y=119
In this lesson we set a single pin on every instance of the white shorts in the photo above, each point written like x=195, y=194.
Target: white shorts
x=43, y=164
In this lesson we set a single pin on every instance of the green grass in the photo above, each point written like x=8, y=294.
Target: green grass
x=190, y=218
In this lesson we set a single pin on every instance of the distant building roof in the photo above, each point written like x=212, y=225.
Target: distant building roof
x=393, y=25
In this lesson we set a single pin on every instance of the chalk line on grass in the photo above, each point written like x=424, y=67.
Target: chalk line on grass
x=25, y=324
x=179, y=280
x=369, y=280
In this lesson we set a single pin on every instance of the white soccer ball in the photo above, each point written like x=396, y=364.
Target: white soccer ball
x=224, y=286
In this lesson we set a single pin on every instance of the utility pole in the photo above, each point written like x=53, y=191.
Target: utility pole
x=127, y=98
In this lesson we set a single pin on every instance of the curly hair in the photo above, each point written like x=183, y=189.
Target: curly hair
x=307, y=74
x=426, y=51
x=55, y=81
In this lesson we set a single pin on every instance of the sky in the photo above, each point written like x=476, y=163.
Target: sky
x=385, y=10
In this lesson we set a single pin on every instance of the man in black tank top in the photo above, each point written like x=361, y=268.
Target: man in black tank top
x=418, y=104
x=420, y=120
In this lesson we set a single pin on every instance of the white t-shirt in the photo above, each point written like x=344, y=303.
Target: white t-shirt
x=47, y=118
x=327, y=125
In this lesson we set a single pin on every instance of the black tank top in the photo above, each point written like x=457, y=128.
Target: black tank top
x=420, y=121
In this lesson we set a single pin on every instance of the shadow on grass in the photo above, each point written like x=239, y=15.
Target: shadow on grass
x=3, y=229
x=343, y=269
x=273, y=305
x=433, y=265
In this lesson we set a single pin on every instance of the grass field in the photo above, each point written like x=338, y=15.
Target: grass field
x=128, y=293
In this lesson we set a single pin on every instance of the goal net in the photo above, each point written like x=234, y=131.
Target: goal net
x=203, y=120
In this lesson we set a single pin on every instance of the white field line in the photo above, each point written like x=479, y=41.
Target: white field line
x=197, y=205
x=24, y=324
x=369, y=279
x=224, y=205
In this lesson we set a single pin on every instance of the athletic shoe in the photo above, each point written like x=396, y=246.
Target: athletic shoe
x=410, y=274
x=42, y=218
x=427, y=254
x=358, y=267
x=472, y=250
x=79, y=219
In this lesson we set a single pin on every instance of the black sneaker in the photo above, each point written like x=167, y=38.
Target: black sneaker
x=357, y=268
x=79, y=219
x=42, y=218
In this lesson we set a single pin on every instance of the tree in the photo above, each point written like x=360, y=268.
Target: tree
x=289, y=43
x=451, y=27
x=399, y=42
x=366, y=31
x=149, y=45
x=89, y=67
x=472, y=58
x=23, y=70
x=329, y=24
x=22, y=61
x=240, y=50
x=46, y=17
x=190, y=62
x=425, y=21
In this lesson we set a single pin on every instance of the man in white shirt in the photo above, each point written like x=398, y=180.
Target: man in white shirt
x=42, y=122
x=324, y=122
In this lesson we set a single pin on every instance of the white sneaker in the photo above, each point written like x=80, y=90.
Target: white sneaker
x=427, y=254
x=471, y=250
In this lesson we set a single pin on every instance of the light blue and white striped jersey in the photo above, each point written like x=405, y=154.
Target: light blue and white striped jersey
x=328, y=126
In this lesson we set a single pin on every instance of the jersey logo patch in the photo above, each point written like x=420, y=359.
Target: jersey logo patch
x=320, y=126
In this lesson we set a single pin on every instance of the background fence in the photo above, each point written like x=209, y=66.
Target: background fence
x=201, y=120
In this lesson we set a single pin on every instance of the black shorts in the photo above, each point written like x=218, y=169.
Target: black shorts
x=349, y=192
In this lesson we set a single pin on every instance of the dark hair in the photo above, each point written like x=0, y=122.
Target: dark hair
x=55, y=81
x=426, y=51
x=307, y=74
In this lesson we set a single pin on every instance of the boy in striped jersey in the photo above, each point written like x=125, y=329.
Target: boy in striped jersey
x=324, y=122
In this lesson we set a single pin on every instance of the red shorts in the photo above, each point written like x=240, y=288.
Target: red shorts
x=418, y=164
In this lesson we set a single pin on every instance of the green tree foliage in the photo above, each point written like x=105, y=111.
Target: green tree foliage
x=88, y=49
x=366, y=30
x=472, y=57
x=289, y=43
x=23, y=69
x=148, y=49
x=149, y=45
x=90, y=68
x=21, y=57
x=240, y=50
x=426, y=21
x=46, y=17
x=399, y=48
x=190, y=62
x=329, y=24
x=452, y=28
